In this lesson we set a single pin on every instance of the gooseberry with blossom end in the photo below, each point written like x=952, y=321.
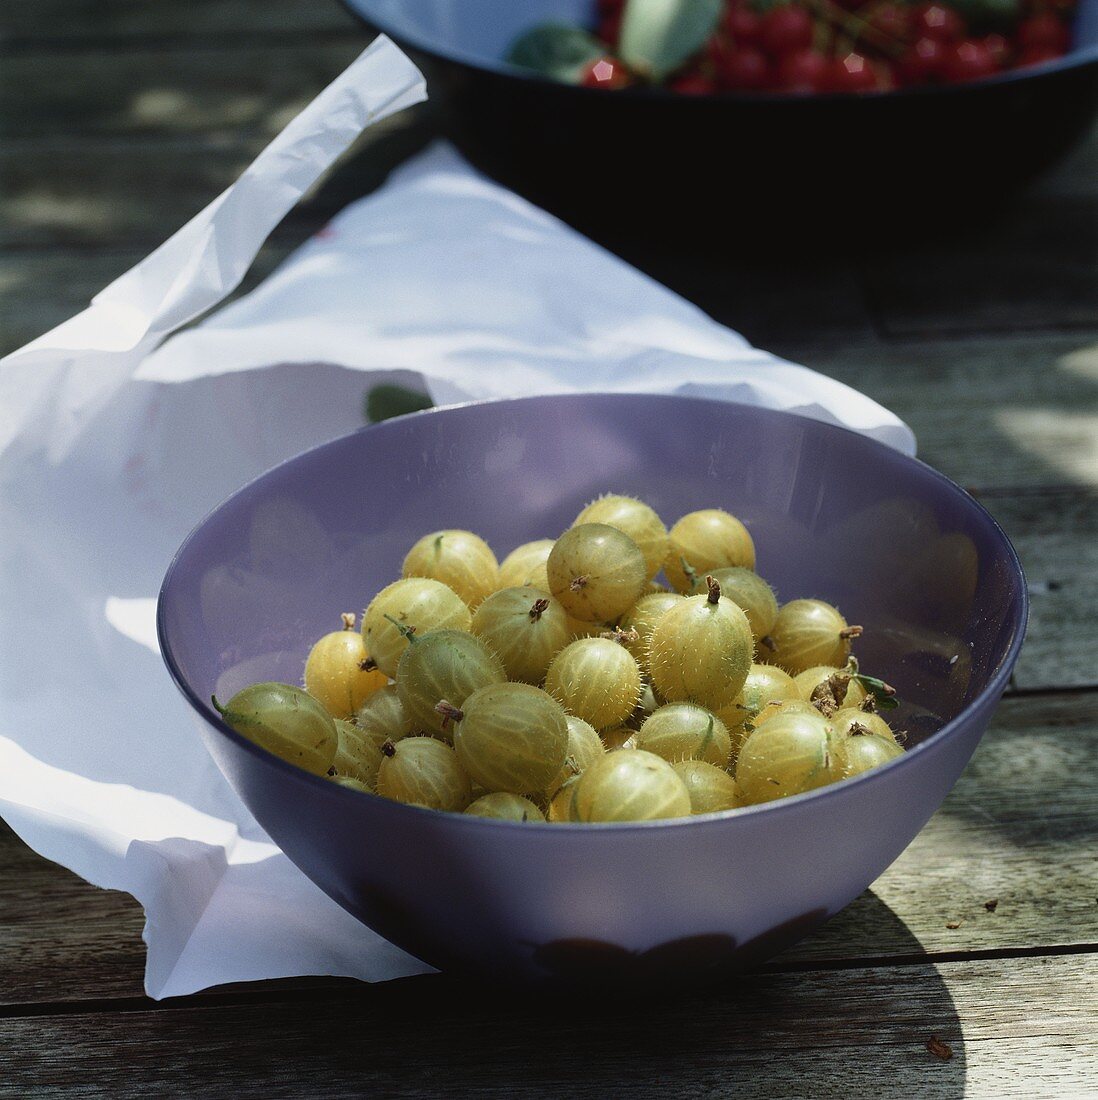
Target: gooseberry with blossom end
x=596, y=571
x=642, y=618
x=423, y=771
x=862, y=751
x=788, y=755
x=745, y=587
x=339, y=673
x=525, y=628
x=701, y=650
x=807, y=633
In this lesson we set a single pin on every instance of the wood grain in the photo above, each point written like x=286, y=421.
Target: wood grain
x=1021, y=827
x=52, y=24
x=1019, y=1027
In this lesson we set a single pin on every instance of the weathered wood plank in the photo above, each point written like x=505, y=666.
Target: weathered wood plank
x=168, y=92
x=1020, y=827
x=1021, y=1027
x=991, y=413
x=133, y=193
x=51, y=23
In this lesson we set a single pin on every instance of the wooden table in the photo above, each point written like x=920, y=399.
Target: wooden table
x=122, y=119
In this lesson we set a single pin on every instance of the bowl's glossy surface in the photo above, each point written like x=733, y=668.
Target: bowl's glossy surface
x=666, y=164
x=898, y=547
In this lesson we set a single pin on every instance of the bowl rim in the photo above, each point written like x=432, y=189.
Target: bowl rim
x=1076, y=58
x=791, y=803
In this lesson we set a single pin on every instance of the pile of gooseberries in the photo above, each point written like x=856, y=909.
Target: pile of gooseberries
x=568, y=684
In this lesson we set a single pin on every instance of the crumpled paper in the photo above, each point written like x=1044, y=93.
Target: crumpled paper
x=110, y=451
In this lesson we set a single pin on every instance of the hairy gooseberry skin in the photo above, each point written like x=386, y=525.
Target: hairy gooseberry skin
x=523, y=633
x=286, y=721
x=782, y=707
x=711, y=789
x=642, y=617
x=806, y=633
x=635, y=519
x=334, y=675
x=504, y=806
x=584, y=747
x=512, y=737
x=685, y=731
x=857, y=753
x=423, y=771
x=596, y=571
x=765, y=684
x=358, y=754
x=708, y=539
x=788, y=755
x=745, y=587
x=700, y=651
x=353, y=783
x=443, y=664
x=417, y=602
x=595, y=679
x=811, y=678
x=521, y=562
x=382, y=716
x=459, y=559
x=630, y=786
x=857, y=722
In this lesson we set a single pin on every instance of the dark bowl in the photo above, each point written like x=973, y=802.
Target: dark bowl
x=739, y=166
x=897, y=546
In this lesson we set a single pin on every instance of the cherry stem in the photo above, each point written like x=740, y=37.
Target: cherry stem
x=578, y=583
x=348, y=618
x=852, y=632
x=388, y=748
x=539, y=607
x=449, y=712
x=406, y=631
x=714, y=590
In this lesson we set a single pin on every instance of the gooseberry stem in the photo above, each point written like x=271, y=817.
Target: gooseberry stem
x=539, y=607
x=714, y=590
x=408, y=632
x=578, y=583
x=388, y=748
x=620, y=636
x=349, y=618
x=449, y=712
x=851, y=632
x=367, y=664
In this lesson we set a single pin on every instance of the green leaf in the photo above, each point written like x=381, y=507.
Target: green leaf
x=658, y=36
x=385, y=402
x=882, y=692
x=556, y=50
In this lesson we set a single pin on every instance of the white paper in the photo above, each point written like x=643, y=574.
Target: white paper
x=110, y=452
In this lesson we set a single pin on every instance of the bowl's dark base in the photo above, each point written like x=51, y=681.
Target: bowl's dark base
x=775, y=172
x=563, y=965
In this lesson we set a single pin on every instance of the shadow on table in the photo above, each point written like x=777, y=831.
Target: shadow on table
x=790, y=1028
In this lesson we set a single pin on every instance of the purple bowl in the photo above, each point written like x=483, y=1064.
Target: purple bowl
x=901, y=549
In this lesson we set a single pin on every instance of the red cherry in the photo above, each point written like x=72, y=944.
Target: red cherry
x=968, y=60
x=745, y=70
x=785, y=30
x=892, y=19
x=604, y=72
x=692, y=84
x=1038, y=55
x=938, y=21
x=1044, y=29
x=803, y=71
x=742, y=26
x=853, y=73
x=923, y=61
x=998, y=47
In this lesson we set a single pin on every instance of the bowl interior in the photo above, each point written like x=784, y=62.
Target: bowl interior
x=480, y=33
x=897, y=547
